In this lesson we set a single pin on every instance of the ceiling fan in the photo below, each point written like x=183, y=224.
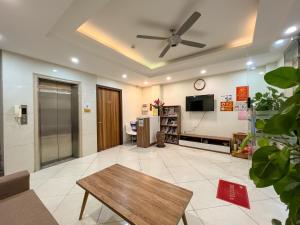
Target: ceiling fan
x=175, y=38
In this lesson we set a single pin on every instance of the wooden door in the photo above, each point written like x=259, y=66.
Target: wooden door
x=109, y=118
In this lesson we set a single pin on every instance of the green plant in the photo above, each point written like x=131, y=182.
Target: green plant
x=277, y=162
x=270, y=100
x=246, y=141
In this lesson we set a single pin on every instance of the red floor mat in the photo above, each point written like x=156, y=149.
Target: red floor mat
x=233, y=193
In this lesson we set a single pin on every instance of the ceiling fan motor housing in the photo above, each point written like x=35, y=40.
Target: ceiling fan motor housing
x=174, y=40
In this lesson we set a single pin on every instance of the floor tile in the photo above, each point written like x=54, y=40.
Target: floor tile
x=269, y=191
x=132, y=164
x=264, y=211
x=225, y=215
x=73, y=170
x=204, y=194
x=47, y=172
x=52, y=203
x=116, y=223
x=35, y=183
x=68, y=211
x=193, y=169
x=174, y=161
x=185, y=174
x=108, y=216
x=192, y=218
x=56, y=187
x=153, y=166
x=242, y=167
x=210, y=170
x=167, y=177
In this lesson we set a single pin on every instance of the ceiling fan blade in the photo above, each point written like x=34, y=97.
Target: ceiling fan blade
x=166, y=49
x=189, y=23
x=193, y=44
x=151, y=37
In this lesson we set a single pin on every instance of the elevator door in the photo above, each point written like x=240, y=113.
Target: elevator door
x=55, y=121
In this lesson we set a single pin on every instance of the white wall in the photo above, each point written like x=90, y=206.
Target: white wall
x=18, y=88
x=215, y=123
x=151, y=93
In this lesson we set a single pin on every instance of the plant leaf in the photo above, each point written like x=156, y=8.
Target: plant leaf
x=260, y=124
x=269, y=165
x=288, y=186
x=283, y=122
x=294, y=209
x=246, y=141
x=283, y=77
x=263, y=142
x=258, y=95
x=295, y=99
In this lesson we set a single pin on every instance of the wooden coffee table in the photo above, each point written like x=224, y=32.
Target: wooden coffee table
x=137, y=198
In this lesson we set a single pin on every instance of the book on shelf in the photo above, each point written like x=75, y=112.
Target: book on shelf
x=168, y=121
x=169, y=130
x=169, y=111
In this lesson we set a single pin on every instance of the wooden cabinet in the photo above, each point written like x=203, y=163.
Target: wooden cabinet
x=170, y=123
x=210, y=143
x=146, y=130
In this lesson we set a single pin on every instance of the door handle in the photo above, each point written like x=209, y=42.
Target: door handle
x=100, y=122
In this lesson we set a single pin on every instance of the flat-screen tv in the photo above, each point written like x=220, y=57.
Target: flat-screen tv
x=200, y=103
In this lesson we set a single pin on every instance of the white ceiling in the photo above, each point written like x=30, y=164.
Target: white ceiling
x=46, y=29
x=123, y=20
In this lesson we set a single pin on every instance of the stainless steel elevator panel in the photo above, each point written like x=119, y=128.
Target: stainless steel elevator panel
x=48, y=123
x=64, y=121
x=55, y=121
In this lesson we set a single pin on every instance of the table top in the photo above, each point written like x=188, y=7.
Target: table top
x=136, y=197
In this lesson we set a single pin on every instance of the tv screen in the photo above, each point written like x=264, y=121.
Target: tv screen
x=200, y=103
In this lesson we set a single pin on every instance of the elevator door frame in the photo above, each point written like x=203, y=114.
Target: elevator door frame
x=36, y=78
x=121, y=113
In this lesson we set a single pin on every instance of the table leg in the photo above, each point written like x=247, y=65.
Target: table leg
x=86, y=194
x=184, y=219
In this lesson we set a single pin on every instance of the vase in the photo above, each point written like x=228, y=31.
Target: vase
x=160, y=137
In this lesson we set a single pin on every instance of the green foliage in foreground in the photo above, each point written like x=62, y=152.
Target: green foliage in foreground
x=277, y=162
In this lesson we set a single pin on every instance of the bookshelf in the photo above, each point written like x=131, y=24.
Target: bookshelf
x=170, y=123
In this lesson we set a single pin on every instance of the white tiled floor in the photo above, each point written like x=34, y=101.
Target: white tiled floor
x=195, y=170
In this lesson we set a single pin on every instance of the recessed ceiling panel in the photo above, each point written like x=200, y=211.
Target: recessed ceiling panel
x=223, y=24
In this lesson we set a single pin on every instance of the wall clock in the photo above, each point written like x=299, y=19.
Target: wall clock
x=199, y=84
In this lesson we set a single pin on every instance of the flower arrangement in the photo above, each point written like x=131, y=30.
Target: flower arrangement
x=158, y=104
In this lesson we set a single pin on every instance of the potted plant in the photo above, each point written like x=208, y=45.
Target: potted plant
x=277, y=161
x=268, y=102
x=244, y=149
x=158, y=104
